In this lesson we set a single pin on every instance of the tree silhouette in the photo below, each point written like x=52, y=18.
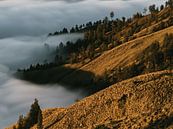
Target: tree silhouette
x=152, y=8
x=161, y=7
x=112, y=14
x=33, y=114
x=145, y=10
x=40, y=119
x=20, y=122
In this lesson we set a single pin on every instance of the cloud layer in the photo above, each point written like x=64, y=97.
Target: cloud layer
x=37, y=17
x=16, y=96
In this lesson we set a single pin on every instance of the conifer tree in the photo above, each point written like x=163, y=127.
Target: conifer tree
x=20, y=122
x=40, y=119
x=112, y=14
x=33, y=114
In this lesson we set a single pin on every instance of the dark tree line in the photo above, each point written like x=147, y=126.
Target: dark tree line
x=64, y=31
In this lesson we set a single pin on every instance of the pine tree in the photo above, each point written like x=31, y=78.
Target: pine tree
x=40, y=119
x=20, y=122
x=145, y=11
x=152, y=8
x=112, y=14
x=161, y=7
x=33, y=114
x=33, y=117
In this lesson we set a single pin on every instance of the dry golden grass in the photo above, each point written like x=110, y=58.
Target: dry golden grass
x=148, y=98
x=126, y=53
x=122, y=55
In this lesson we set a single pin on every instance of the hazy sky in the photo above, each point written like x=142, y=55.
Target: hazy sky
x=37, y=17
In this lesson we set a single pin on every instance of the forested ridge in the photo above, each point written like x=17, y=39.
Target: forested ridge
x=108, y=33
x=104, y=35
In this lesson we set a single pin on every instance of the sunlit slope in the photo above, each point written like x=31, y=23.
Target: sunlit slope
x=123, y=55
x=145, y=101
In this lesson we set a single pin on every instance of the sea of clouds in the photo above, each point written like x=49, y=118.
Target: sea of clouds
x=24, y=25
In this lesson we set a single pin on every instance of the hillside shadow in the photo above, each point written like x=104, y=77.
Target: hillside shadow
x=162, y=123
x=70, y=78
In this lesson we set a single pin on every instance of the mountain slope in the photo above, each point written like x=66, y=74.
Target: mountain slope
x=122, y=56
x=142, y=102
x=125, y=54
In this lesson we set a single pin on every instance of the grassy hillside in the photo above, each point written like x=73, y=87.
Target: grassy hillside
x=145, y=102
x=101, y=72
x=125, y=54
